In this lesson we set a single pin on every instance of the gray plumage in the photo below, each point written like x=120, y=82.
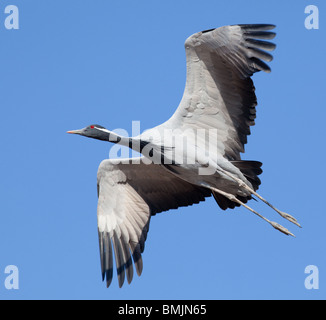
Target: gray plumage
x=219, y=98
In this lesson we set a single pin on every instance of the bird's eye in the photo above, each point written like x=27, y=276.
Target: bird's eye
x=92, y=127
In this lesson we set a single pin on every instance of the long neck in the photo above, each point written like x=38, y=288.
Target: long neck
x=133, y=143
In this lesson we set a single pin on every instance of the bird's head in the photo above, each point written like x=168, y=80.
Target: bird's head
x=94, y=131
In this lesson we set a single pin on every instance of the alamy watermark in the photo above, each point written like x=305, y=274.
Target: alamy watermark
x=312, y=20
x=12, y=17
x=200, y=147
x=312, y=280
x=12, y=279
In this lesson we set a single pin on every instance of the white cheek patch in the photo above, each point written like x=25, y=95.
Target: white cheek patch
x=103, y=129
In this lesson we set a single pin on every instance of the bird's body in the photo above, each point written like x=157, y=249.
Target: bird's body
x=193, y=155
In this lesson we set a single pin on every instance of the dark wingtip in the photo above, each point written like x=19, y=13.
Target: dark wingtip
x=255, y=36
x=209, y=30
x=254, y=27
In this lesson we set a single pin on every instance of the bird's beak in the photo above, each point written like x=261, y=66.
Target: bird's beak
x=75, y=131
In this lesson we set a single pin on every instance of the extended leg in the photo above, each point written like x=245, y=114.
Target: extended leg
x=244, y=185
x=272, y=223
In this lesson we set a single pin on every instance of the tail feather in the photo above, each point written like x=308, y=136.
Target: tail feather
x=251, y=170
x=225, y=203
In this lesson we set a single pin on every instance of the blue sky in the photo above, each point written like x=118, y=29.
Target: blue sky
x=73, y=63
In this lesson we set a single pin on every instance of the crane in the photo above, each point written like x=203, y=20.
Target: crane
x=193, y=155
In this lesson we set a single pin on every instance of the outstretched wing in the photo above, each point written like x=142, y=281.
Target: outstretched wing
x=219, y=95
x=129, y=193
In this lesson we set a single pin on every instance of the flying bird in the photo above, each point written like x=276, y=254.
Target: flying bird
x=193, y=155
